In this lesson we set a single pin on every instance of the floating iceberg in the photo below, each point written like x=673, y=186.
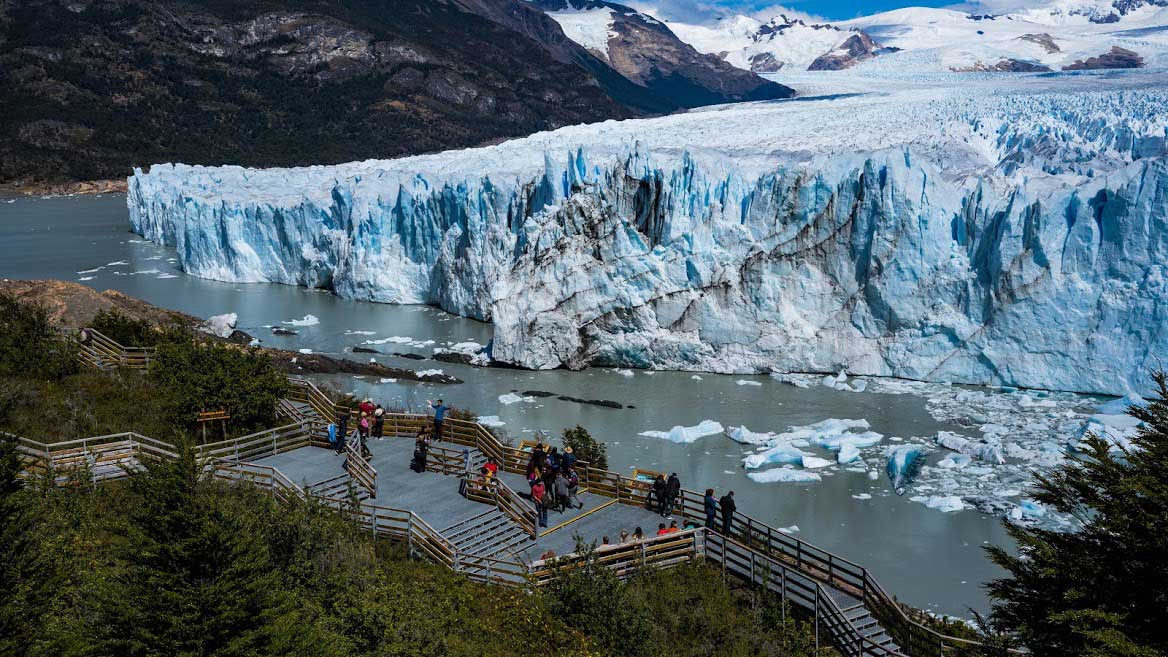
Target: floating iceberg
x=989, y=452
x=783, y=452
x=748, y=437
x=490, y=421
x=680, y=434
x=945, y=503
x=307, y=320
x=903, y=462
x=848, y=453
x=785, y=475
x=512, y=398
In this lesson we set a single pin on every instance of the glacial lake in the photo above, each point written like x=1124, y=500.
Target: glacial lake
x=929, y=558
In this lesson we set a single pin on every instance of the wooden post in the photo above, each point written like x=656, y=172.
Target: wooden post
x=817, y=621
x=783, y=599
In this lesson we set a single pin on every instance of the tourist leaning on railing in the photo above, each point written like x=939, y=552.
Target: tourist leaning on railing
x=711, y=506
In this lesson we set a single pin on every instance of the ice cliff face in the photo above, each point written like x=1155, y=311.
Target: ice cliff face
x=975, y=237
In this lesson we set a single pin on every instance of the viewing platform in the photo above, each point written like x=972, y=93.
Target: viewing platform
x=489, y=532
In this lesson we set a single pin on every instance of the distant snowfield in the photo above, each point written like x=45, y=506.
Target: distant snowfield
x=1052, y=34
x=590, y=28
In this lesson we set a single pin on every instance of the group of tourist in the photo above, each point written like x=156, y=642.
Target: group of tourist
x=370, y=419
x=551, y=473
x=554, y=483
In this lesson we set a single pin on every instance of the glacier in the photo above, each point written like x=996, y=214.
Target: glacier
x=986, y=232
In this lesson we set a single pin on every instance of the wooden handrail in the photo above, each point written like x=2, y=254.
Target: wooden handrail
x=821, y=565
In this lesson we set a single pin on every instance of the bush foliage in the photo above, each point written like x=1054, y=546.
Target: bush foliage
x=194, y=376
x=29, y=345
x=585, y=447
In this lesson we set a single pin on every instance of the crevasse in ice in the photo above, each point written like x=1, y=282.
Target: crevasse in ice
x=1011, y=236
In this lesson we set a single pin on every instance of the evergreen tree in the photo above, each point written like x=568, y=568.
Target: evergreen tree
x=1102, y=590
x=195, y=578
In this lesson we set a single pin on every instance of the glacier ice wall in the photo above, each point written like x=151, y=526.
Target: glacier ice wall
x=1013, y=238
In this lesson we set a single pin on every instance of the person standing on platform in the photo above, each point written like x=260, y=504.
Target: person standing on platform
x=711, y=505
x=538, y=492
x=728, y=507
x=439, y=415
x=672, y=494
x=378, y=422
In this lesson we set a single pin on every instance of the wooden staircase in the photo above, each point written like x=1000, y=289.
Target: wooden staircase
x=486, y=535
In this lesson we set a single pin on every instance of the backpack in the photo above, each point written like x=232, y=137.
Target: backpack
x=547, y=500
x=573, y=480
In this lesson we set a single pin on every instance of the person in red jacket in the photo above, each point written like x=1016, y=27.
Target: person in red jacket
x=538, y=491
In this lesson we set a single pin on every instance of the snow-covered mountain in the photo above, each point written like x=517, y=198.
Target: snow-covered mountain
x=645, y=51
x=1050, y=36
x=1005, y=230
x=1060, y=35
x=780, y=43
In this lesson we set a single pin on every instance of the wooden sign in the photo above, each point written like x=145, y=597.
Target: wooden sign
x=646, y=476
x=220, y=416
x=211, y=416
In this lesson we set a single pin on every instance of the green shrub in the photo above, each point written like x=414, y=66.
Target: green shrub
x=126, y=330
x=193, y=376
x=585, y=447
x=29, y=345
x=591, y=599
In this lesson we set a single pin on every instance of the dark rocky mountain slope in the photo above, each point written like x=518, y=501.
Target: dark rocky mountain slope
x=92, y=88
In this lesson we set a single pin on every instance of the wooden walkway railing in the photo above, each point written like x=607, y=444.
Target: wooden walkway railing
x=625, y=559
x=759, y=539
x=98, y=350
x=362, y=472
x=501, y=496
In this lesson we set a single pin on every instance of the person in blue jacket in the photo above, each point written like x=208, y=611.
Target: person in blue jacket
x=711, y=510
x=439, y=415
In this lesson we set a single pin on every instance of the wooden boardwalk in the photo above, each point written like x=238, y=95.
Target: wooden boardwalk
x=489, y=533
x=435, y=497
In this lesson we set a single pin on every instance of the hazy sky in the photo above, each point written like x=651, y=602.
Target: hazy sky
x=701, y=10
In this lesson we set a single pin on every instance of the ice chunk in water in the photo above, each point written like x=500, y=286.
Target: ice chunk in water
x=813, y=462
x=848, y=452
x=783, y=452
x=512, y=398
x=903, y=462
x=681, y=435
x=748, y=437
x=785, y=475
x=946, y=503
x=1120, y=406
x=490, y=421
x=986, y=451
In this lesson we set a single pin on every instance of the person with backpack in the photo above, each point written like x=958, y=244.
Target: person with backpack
x=568, y=458
x=552, y=460
x=421, y=448
x=439, y=415
x=541, y=499
x=574, y=489
x=561, y=490
x=363, y=427
x=534, y=476
x=378, y=422
x=659, y=488
x=342, y=431
x=672, y=494
x=728, y=507
x=711, y=506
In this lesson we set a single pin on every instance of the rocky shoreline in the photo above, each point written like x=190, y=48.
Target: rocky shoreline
x=72, y=306
x=86, y=187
